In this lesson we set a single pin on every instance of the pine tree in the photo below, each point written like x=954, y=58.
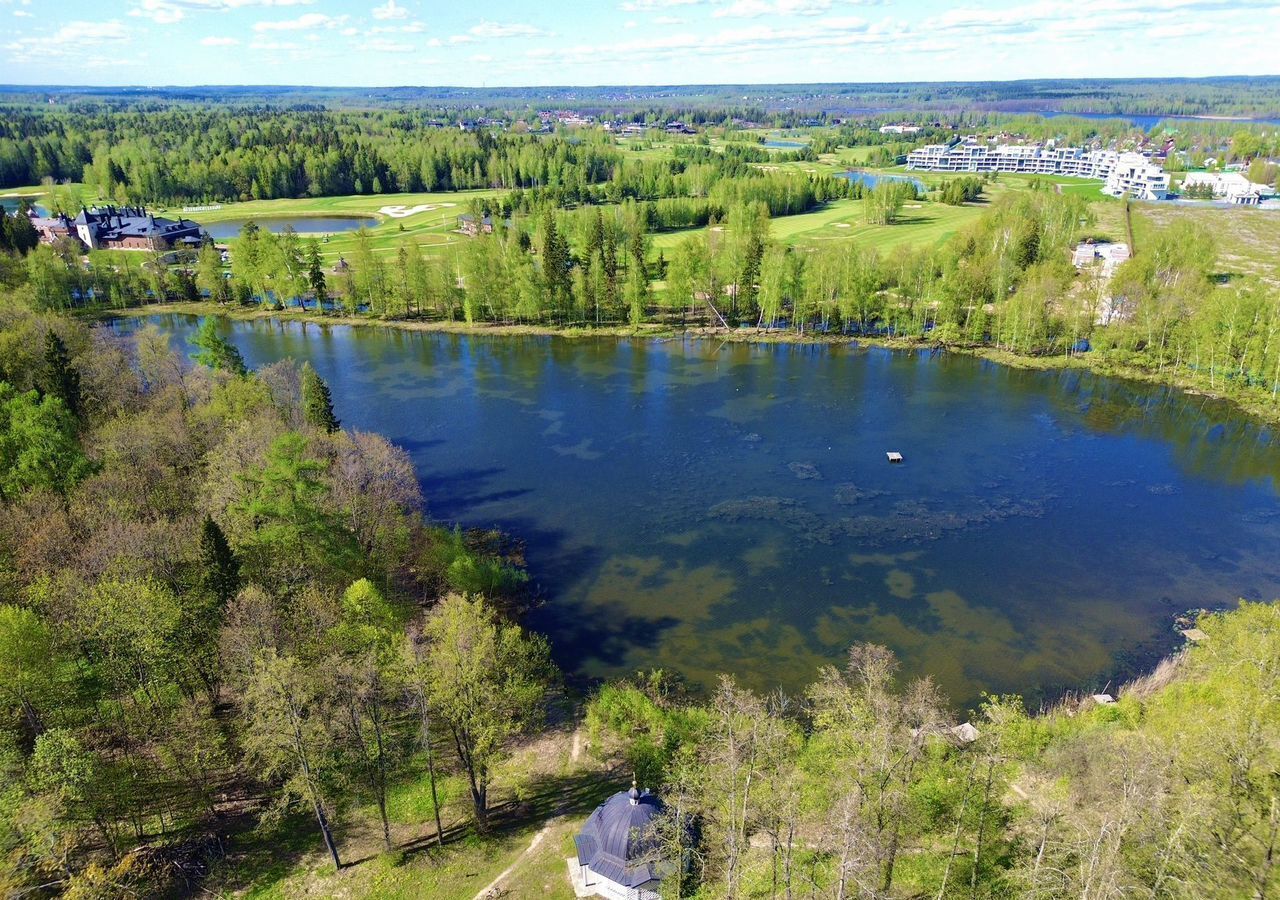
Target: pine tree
x=60, y=379
x=315, y=274
x=317, y=403
x=220, y=570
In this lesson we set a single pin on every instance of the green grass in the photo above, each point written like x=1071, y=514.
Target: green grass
x=922, y=224
x=541, y=785
x=433, y=229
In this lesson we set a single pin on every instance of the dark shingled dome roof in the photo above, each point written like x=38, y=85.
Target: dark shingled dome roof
x=617, y=841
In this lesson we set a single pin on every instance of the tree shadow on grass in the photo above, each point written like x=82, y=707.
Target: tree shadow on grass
x=258, y=857
x=547, y=796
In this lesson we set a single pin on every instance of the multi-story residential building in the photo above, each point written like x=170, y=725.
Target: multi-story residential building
x=1125, y=173
x=971, y=155
x=1138, y=177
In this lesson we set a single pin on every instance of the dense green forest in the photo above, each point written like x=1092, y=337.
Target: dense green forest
x=221, y=612
x=192, y=153
x=782, y=105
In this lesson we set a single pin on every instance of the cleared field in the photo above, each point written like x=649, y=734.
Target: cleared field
x=1248, y=239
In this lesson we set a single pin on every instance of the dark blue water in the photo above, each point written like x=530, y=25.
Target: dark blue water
x=11, y=204
x=301, y=224
x=711, y=508
x=1147, y=122
x=871, y=179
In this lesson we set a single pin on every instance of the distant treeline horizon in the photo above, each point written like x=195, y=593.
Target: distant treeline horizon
x=1235, y=95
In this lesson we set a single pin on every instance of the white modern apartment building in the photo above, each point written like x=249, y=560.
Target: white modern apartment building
x=1138, y=177
x=1125, y=173
x=970, y=155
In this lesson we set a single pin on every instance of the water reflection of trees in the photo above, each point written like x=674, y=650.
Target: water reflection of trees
x=1209, y=438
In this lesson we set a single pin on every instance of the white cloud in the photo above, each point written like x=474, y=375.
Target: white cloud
x=383, y=45
x=750, y=9
x=22, y=14
x=462, y=39
x=274, y=46
x=167, y=12
x=74, y=39
x=501, y=30
x=645, y=5
x=403, y=28
x=212, y=41
x=390, y=11
x=304, y=22
x=482, y=58
x=162, y=12
x=668, y=20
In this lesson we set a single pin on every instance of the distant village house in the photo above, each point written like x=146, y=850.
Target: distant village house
x=469, y=224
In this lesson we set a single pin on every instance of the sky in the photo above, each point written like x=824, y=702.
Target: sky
x=500, y=42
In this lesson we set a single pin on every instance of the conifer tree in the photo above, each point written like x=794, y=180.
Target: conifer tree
x=60, y=379
x=317, y=403
x=315, y=273
x=220, y=570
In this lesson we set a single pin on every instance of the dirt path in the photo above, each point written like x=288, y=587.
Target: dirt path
x=505, y=873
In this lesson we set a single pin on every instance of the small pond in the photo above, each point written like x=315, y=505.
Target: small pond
x=871, y=179
x=310, y=225
x=11, y=204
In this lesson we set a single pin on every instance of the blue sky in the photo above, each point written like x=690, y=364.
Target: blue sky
x=386, y=42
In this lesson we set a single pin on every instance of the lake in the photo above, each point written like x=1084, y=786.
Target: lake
x=1146, y=122
x=305, y=225
x=710, y=508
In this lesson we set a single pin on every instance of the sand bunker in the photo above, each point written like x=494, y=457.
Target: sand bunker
x=841, y=224
x=403, y=212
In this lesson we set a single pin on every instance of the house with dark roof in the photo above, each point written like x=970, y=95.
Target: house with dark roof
x=120, y=228
x=469, y=224
x=618, y=849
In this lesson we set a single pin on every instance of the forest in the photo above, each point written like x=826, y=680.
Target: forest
x=780, y=105
x=224, y=614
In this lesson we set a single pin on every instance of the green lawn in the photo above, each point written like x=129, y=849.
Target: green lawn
x=920, y=224
x=543, y=786
x=433, y=226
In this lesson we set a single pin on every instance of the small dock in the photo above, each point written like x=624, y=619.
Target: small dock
x=894, y=456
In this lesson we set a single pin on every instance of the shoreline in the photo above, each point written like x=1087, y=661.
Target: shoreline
x=1255, y=407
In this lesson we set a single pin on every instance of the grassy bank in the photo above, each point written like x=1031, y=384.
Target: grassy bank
x=1254, y=402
